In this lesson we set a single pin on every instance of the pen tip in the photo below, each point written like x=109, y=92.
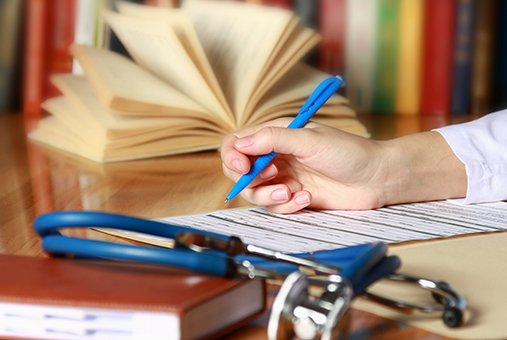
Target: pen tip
x=226, y=200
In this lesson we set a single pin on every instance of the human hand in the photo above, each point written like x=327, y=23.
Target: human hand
x=321, y=167
x=317, y=167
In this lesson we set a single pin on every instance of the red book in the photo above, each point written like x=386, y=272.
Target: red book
x=113, y=300
x=61, y=35
x=34, y=56
x=437, y=63
x=49, y=33
x=332, y=30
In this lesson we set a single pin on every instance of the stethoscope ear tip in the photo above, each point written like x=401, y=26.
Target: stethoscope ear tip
x=453, y=317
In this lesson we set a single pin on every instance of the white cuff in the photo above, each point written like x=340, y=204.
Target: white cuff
x=482, y=146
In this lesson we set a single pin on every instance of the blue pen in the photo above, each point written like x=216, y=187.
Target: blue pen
x=320, y=96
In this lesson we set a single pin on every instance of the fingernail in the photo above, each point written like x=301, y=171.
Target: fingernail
x=244, y=142
x=269, y=172
x=280, y=195
x=238, y=165
x=302, y=199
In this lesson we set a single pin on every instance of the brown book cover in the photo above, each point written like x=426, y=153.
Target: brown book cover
x=69, y=299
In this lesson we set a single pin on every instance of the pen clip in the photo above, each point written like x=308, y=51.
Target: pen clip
x=322, y=93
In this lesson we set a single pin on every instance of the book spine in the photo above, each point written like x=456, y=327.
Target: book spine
x=438, y=42
x=465, y=19
x=408, y=74
x=360, y=37
x=384, y=91
x=10, y=19
x=499, y=91
x=480, y=99
x=332, y=31
x=35, y=55
x=308, y=11
x=59, y=59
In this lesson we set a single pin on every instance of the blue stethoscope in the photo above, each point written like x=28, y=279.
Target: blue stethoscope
x=342, y=273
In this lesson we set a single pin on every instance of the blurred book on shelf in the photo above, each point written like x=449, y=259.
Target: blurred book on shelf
x=331, y=24
x=360, y=44
x=10, y=34
x=437, y=62
x=463, y=48
x=386, y=54
x=499, y=86
x=482, y=63
x=408, y=73
x=308, y=12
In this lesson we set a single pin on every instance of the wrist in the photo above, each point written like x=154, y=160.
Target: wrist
x=420, y=167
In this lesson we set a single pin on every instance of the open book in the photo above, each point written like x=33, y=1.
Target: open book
x=196, y=74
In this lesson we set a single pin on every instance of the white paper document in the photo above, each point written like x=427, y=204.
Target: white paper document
x=310, y=230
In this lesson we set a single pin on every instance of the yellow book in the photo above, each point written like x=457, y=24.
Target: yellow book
x=196, y=74
x=408, y=84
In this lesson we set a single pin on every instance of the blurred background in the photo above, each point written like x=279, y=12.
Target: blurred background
x=399, y=57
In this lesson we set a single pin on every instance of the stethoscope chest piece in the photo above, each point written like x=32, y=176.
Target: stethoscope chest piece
x=296, y=313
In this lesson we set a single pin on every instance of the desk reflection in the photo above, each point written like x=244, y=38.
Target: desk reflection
x=149, y=188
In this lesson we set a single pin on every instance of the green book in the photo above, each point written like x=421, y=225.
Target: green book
x=384, y=87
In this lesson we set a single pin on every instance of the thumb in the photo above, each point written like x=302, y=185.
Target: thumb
x=295, y=142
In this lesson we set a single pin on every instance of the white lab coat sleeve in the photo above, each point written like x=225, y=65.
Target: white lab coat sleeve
x=482, y=146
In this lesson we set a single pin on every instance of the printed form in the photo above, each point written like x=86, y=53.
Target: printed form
x=311, y=230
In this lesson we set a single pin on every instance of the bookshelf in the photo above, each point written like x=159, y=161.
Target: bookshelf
x=388, y=50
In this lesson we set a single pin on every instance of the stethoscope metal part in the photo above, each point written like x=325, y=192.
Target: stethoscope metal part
x=296, y=313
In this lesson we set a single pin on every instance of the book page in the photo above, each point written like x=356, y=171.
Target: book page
x=54, y=133
x=238, y=39
x=86, y=130
x=80, y=92
x=293, y=89
x=186, y=34
x=179, y=135
x=155, y=47
x=122, y=85
x=298, y=45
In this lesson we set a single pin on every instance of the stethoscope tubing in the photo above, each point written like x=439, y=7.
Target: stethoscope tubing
x=356, y=268
x=51, y=222
x=60, y=245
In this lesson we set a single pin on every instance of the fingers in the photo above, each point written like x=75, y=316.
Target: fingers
x=270, y=172
x=296, y=142
x=235, y=159
x=281, y=198
x=278, y=198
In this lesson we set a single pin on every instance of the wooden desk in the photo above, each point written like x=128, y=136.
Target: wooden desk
x=37, y=180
